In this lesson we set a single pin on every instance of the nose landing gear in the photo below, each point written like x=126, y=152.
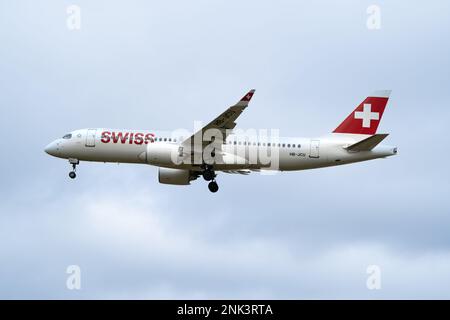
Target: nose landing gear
x=74, y=163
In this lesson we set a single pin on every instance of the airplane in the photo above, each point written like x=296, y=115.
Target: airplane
x=216, y=147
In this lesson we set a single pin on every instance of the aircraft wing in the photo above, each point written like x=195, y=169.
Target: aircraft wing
x=224, y=122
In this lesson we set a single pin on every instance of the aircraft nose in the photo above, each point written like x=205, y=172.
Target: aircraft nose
x=51, y=148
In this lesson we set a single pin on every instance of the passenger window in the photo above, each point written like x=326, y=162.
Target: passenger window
x=289, y=145
x=299, y=146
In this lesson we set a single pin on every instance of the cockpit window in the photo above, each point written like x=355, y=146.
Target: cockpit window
x=67, y=136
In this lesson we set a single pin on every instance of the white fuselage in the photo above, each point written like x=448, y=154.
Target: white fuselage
x=150, y=147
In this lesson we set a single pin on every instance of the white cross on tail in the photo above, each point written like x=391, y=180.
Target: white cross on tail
x=367, y=115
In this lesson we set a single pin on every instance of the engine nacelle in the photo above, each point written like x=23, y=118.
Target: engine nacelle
x=175, y=176
x=163, y=154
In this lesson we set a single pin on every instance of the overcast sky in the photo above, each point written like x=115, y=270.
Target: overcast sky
x=162, y=65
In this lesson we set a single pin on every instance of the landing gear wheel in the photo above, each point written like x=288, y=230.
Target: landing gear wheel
x=213, y=186
x=74, y=163
x=208, y=175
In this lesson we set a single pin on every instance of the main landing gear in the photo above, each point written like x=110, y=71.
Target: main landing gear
x=74, y=163
x=213, y=186
x=209, y=175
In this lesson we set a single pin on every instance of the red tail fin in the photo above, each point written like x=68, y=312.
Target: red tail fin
x=367, y=116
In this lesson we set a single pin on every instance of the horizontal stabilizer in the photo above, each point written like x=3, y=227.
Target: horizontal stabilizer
x=368, y=143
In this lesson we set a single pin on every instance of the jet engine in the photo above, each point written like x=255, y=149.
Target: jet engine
x=175, y=176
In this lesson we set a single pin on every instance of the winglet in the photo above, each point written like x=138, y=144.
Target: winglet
x=246, y=99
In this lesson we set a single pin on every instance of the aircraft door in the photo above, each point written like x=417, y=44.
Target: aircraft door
x=314, y=149
x=90, y=138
